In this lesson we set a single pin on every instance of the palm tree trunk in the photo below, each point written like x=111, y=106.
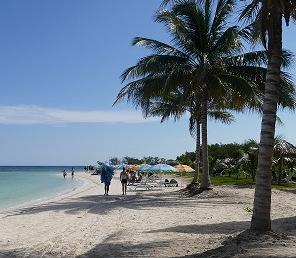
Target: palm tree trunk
x=205, y=180
x=197, y=152
x=262, y=199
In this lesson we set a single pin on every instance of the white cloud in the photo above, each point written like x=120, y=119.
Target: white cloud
x=30, y=115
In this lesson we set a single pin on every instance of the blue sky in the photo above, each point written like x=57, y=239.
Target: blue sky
x=59, y=74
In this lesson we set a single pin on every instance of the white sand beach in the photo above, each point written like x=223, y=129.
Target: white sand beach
x=159, y=223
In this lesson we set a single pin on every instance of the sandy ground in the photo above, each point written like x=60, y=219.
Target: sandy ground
x=159, y=223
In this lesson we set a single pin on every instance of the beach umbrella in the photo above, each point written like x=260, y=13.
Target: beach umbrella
x=184, y=168
x=145, y=168
x=162, y=168
x=131, y=167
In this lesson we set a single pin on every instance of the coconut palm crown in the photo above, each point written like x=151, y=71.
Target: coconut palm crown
x=261, y=13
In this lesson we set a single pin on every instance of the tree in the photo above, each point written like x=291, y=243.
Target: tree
x=267, y=17
x=131, y=161
x=251, y=149
x=173, y=105
x=187, y=158
x=205, y=60
x=283, y=151
x=114, y=161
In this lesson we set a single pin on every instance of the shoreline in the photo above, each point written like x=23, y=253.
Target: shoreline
x=43, y=200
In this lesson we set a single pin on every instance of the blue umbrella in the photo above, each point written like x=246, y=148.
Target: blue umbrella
x=162, y=168
x=145, y=168
x=107, y=173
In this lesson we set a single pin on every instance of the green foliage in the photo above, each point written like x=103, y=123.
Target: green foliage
x=223, y=151
x=114, y=161
x=235, y=159
x=284, y=186
x=259, y=14
x=153, y=160
x=187, y=158
x=232, y=180
x=147, y=160
x=247, y=182
x=217, y=151
x=131, y=160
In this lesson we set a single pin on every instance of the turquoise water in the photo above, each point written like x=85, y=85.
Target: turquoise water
x=19, y=185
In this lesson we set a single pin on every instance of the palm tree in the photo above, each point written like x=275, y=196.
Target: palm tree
x=204, y=60
x=173, y=105
x=283, y=151
x=267, y=17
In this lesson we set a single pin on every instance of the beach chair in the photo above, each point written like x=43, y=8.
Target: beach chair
x=155, y=181
x=146, y=183
x=143, y=185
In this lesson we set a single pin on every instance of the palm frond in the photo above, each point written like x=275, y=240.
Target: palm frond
x=158, y=47
x=222, y=116
x=156, y=64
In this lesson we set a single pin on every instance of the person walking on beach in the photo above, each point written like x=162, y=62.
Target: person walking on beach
x=64, y=173
x=106, y=177
x=72, y=173
x=123, y=180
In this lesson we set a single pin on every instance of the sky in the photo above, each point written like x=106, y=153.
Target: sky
x=60, y=67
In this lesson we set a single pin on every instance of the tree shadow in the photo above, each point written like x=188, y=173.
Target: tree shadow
x=99, y=204
x=251, y=244
x=285, y=225
x=244, y=244
x=218, y=228
x=107, y=248
x=126, y=249
x=282, y=225
x=239, y=243
x=279, y=243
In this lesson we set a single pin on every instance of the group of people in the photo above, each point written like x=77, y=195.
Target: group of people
x=107, y=172
x=65, y=173
x=125, y=177
x=134, y=176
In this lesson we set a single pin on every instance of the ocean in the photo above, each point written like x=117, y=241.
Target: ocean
x=21, y=185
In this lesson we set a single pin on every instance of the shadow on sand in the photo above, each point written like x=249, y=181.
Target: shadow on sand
x=98, y=204
x=245, y=244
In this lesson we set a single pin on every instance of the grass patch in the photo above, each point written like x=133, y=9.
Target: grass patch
x=226, y=180
x=284, y=186
x=233, y=180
